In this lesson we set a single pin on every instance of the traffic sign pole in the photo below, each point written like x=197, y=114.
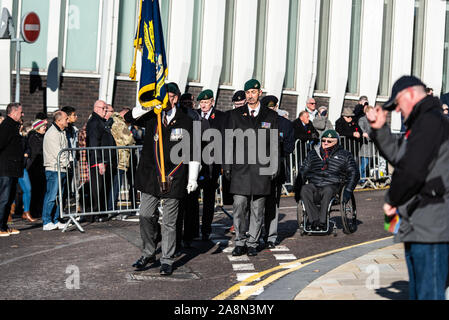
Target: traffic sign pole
x=30, y=30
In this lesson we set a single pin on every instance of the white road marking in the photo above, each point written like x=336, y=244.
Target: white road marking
x=280, y=248
x=255, y=293
x=240, y=258
x=285, y=256
x=243, y=267
x=243, y=276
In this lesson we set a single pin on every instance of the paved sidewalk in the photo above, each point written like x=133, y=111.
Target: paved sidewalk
x=378, y=275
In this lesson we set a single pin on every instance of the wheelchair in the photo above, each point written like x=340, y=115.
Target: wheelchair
x=348, y=212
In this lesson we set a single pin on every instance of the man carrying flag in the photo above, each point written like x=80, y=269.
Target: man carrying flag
x=158, y=177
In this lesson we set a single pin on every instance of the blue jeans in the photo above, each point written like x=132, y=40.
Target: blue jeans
x=427, y=265
x=5, y=190
x=50, y=196
x=364, y=161
x=25, y=185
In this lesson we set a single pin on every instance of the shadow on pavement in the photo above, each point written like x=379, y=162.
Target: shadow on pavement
x=398, y=290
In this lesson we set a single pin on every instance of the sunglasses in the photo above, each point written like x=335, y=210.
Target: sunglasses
x=327, y=140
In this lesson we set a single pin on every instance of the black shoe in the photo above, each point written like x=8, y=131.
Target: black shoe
x=271, y=245
x=252, y=252
x=177, y=254
x=205, y=236
x=143, y=261
x=166, y=270
x=322, y=226
x=239, y=251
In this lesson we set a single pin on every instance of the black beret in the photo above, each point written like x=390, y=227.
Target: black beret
x=269, y=101
x=239, y=96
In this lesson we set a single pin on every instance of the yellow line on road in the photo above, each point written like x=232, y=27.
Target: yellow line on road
x=235, y=288
x=244, y=295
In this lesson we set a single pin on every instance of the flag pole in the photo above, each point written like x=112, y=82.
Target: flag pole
x=161, y=147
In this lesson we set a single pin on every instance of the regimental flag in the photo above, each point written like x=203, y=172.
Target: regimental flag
x=150, y=41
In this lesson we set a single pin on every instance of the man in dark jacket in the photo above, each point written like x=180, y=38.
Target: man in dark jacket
x=420, y=183
x=326, y=168
x=96, y=134
x=11, y=162
x=211, y=118
x=287, y=145
x=249, y=183
x=304, y=129
x=181, y=177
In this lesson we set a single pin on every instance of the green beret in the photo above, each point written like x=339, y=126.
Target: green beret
x=172, y=87
x=252, y=84
x=330, y=134
x=205, y=95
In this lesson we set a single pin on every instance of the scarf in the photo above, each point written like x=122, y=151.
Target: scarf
x=325, y=154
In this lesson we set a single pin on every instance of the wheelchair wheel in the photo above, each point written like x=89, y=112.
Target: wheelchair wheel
x=348, y=215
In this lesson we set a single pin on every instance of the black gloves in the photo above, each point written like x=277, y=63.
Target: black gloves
x=227, y=175
x=346, y=196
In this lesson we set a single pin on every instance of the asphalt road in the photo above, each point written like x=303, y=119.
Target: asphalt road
x=97, y=264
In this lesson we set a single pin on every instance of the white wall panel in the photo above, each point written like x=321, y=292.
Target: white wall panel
x=307, y=53
x=212, y=43
x=245, y=42
x=5, y=64
x=339, y=42
x=433, y=56
x=402, y=46
x=180, y=46
x=276, y=46
x=55, y=52
x=370, y=48
x=108, y=52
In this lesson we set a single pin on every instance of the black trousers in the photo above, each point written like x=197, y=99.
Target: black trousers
x=188, y=219
x=209, y=191
x=311, y=195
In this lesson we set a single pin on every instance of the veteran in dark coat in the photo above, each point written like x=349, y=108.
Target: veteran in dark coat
x=181, y=176
x=211, y=118
x=11, y=161
x=249, y=184
x=287, y=145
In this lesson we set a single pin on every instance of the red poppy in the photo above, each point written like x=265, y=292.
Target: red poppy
x=213, y=116
x=308, y=131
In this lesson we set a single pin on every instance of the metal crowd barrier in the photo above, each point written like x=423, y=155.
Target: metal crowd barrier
x=87, y=191
x=366, y=155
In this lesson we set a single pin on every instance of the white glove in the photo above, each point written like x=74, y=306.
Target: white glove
x=139, y=111
x=194, y=170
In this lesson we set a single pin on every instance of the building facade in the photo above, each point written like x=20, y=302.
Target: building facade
x=333, y=50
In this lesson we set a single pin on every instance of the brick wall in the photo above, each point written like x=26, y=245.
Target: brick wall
x=80, y=93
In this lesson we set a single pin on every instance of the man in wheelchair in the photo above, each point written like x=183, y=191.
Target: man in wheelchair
x=326, y=168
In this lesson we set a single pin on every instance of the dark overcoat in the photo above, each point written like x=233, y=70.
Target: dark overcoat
x=246, y=178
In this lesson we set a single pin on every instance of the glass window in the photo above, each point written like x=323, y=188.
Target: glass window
x=228, y=47
x=194, y=72
x=292, y=43
x=165, y=17
x=323, y=46
x=259, y=58
x=126, y=32
x=82, y=25
x=418, y=37
x=34, y=55
x=445, y=87
x=354, y=49
x=385, y=72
